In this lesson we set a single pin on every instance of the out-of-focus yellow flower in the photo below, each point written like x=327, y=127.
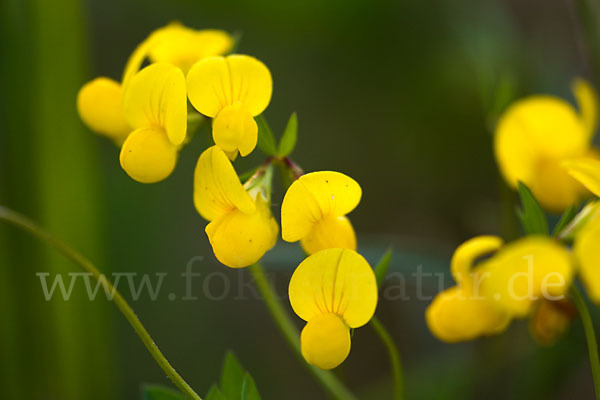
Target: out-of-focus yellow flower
x=537, y=135
x=232, y=90
x=100, y=101
x=314, y=211
x=525, y=271
x=461, y=313
x=332, y=290
x=241, y=228
x=155, y=106
x=587, y=253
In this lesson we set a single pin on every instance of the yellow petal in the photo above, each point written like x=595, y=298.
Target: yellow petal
x=586, y=171
x=532, y=138
x=182, y=46
x=147, y=155
x=455, y=315
x=216, y=82
x=330, y=232
x=525, y=271
x=315, y=196
x=217, y=188
x=336, y=281
x=325, y=341
x=587, y=253
x=587, y=99
x=239, y=240
x=234, y=129
x=467, y=253
x=156, y=97
x=100, y=106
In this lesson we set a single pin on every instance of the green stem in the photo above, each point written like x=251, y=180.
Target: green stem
x=26, y=224
x=291, y=334
x=590, y=336
x=394, y=355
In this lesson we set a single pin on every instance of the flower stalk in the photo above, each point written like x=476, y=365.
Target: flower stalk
x=394, y=355
x=24, y=223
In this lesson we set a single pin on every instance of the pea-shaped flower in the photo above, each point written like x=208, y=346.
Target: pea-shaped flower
x=537, y=135
x=155, y=107
x=332, y=290
x=232, y=90
x=241, y=228
x=587, y=253
x=100, y=101
x=460, y=313
x=314, y=211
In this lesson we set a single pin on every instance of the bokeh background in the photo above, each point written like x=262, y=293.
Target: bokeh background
x=401, y=95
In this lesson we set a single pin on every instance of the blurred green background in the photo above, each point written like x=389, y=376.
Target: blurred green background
x=401, y=95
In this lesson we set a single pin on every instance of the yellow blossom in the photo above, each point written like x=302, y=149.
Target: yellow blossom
x=232, y=90
x=537, y=135
x=241, y=228
x=587, y=253
x=155, y=106
x=461, y=313
x=314, y=211
x=332, y=290
x=100, y=101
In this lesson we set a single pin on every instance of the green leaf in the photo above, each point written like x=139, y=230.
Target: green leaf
x=158, y=392
x=289, y=138
x=531, y=214
x=214, y=394
x=232, y=378
x=249, y=390
x=565, y=219
x=382, y=267
x=266, y=140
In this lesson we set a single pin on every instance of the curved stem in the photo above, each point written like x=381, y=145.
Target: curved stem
x=590, y=336
x=394, y=355
x=292, y=336
x=26, y=224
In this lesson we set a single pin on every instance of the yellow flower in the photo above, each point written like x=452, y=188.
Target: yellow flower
x=536, y=135
x=314, y=211
x=332, y=290
x=587, y=253
x=525, y=271
x=155, y=106
x=100, y=102
x=461, y=313
x=232, y=90
x=241, y=228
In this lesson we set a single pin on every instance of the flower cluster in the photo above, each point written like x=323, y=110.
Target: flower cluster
x=334, y=289
x=544, y=143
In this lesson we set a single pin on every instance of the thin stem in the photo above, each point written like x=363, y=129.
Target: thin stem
x=26, y=224
x=590, y=336
x=291, y=335
x=394, y=355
